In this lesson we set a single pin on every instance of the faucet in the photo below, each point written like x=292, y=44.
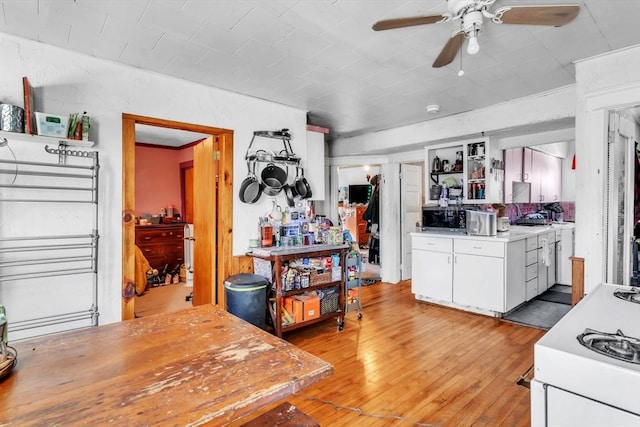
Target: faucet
x=519, y=211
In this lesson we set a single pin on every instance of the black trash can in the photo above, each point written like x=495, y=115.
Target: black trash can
x=246, y=296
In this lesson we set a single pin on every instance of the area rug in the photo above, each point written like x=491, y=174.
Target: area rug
x=539, y=314
x=555, y=296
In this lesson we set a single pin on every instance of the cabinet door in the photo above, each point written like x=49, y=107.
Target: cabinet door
x=314, y=166
x=515, y=286
x=513, y=171
x=552, y=273
x=478, y=281
x=431, y=274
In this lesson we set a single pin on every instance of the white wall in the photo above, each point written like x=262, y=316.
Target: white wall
x=354, y=175
x=552, y=106
x=603, y=82
x=66, y=82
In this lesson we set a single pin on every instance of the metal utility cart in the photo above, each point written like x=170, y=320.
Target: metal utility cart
x=353, y=285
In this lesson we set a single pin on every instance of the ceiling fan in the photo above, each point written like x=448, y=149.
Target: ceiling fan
x=471, y=13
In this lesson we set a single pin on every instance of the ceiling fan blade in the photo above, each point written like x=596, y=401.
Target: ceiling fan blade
x=390, y=24
x=541, y=15
x=449, y=51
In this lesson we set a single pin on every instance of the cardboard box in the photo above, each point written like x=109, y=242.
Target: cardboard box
x=311, y=306
x=295, y=307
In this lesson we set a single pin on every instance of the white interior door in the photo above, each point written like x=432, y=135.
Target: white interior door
x=410, y=211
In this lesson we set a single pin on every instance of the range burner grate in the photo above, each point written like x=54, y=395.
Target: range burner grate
x=615, y=345
x=632, y=295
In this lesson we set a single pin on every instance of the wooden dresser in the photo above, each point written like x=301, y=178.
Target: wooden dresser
x=161, y=244
x=355, y=224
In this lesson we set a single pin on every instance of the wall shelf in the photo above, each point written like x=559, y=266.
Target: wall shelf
x=44, y=139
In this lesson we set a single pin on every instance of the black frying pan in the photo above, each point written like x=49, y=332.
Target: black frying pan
x=251, y=187
x=302, y=186
x=289, y=193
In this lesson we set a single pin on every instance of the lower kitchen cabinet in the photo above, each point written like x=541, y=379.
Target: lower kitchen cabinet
x=432, y=267
x=433, y=274
x=478, y=281
x=481, y=275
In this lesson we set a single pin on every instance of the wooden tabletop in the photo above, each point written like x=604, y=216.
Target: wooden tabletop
x=191, y=367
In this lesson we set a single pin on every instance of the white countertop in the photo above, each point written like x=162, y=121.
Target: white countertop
x=516, y=232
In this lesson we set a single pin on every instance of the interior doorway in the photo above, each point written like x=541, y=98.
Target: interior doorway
x=622, y=205
x=212, y=216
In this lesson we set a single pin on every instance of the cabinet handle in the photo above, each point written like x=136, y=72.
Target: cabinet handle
x=477, y=247
x=449, y=259
x=147, y=238
x=430, y=244
x=455, y=259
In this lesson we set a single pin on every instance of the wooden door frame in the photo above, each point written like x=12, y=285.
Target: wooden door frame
x=222, y=217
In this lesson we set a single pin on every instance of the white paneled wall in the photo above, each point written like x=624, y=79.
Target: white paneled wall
x=66, y=82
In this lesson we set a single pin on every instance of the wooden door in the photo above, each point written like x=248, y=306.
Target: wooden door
x=188, y=195
x=217, y=227
x=204, y=226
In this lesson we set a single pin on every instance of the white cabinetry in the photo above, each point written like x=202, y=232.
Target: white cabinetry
x=531, y=268
x=432, y=267
x=541, y=170
x=478, y=173
x=478, y=281
x=564, y=252
x=314, y=168
x=472, y=274
x=546, y=261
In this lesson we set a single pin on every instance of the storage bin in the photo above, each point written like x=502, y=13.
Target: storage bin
x=329, y=302
x=52, y=125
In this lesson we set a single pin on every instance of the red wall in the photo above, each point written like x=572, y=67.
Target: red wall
x=158, y=178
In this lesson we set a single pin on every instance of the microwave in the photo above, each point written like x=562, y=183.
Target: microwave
x=435, y=218
x=481, y=223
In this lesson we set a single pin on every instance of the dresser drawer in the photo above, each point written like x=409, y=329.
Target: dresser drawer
x=158, y=235
x=435, y=244
x=480, y=247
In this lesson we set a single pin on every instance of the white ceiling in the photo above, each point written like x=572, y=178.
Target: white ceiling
x=323, y=56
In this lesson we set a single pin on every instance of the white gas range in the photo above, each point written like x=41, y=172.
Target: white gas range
x=587, y=367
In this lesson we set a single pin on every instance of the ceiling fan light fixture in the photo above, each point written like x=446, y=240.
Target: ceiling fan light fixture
x=473, y=47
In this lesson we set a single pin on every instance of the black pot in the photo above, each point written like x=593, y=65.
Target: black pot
x=302, y=186
x=273, y=177
x=251, y=187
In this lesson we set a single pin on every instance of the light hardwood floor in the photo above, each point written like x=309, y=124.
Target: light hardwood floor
x=162, y=299
x=413, y=363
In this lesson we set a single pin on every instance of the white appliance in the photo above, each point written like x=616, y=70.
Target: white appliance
x=587, y=367
x=188, y=253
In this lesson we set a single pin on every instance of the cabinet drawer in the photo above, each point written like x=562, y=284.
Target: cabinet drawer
x=531, y=272
x=531, y=289
x=532, y=243
x=480, y=247
x=531, y=257
x=435, y=244
x=550, y=237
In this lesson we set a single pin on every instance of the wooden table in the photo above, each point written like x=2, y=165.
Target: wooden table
x=190, y=367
